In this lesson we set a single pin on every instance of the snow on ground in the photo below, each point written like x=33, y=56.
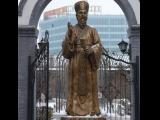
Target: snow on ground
x=114, y=115
x=109, y=116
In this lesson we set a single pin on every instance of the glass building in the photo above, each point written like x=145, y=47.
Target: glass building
x=111, y=28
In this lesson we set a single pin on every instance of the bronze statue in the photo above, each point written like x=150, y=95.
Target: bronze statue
x=82, y=46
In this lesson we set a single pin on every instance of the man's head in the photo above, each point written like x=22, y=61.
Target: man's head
x=81, y=9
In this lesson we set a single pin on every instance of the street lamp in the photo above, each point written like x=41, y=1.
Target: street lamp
x=123, y=46
x=44, y=41
x=42, y=44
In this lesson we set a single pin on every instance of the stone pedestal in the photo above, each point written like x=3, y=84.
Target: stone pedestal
x=82, y=118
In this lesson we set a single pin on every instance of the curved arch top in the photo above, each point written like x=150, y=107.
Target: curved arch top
x=21, y=6
x=37, y=11
x=128, y=11
x=124, y=5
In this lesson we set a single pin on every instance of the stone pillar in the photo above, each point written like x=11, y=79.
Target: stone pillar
x=27, y=36
x=134, y=37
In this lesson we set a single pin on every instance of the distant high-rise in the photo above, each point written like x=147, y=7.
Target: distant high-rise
x=111, y=28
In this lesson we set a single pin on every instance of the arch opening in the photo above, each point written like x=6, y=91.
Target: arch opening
x=35, y=22
x=124, y=5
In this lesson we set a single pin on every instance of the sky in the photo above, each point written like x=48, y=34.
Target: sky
x=108, y=6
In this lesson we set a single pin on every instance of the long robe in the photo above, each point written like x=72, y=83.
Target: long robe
x=82, y=80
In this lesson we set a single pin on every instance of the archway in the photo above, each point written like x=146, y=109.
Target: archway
x=124, y=5
x=41, y=4
x=133, y=27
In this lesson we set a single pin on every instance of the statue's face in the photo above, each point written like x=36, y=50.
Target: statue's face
x=82, y=17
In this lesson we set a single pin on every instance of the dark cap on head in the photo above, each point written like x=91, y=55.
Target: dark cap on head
x=81, y=5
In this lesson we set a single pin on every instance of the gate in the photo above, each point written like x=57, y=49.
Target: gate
x=115, y=86
x=119, y=86
x=39, y=82
x=116, y=82
x=59, y=77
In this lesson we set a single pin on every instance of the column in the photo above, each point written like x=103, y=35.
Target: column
x=134, y=37
x=27, y=36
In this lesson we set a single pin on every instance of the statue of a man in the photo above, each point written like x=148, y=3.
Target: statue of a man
x=83, y=48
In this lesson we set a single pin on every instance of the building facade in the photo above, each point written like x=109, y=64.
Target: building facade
x=111, y=28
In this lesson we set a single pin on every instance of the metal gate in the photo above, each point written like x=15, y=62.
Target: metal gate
x=39, y=82
x=119, y=86
x=116, y=83
x=115, y=86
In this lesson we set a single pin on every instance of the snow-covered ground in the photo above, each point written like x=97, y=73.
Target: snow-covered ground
x=114, y=112
x=104, y=113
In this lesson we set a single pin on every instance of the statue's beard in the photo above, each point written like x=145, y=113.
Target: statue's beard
x=82, y=22
x=82, y=25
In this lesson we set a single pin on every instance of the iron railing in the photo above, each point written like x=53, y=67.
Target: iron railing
x=39, y=79
x=114, y=85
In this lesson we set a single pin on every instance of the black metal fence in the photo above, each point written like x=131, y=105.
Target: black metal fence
x=39, y=81
x=59, y=77
x=114, y=85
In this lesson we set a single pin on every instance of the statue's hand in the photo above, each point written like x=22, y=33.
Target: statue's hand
x=70, y=29
x=71, y=34
x=88, y=50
